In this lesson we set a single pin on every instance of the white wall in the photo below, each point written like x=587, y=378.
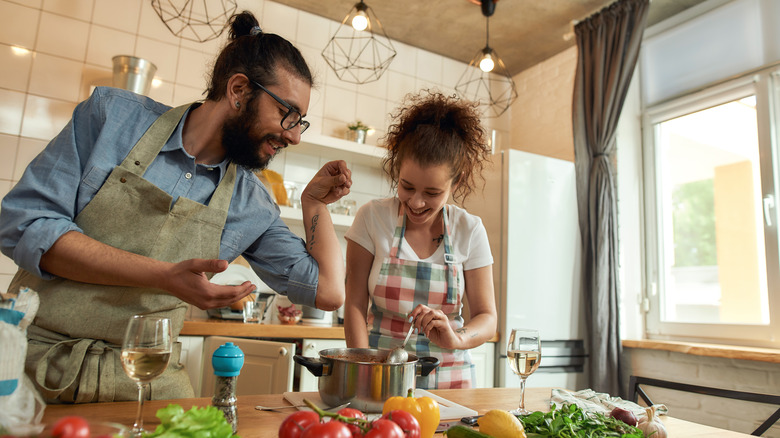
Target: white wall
x=70, y=44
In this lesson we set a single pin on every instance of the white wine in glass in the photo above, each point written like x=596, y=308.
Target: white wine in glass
x=524, y=352
x=146, y=350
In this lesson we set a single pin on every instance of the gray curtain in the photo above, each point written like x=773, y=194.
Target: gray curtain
x=608, y=44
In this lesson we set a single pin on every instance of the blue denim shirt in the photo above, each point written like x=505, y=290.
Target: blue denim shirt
x=61, y=181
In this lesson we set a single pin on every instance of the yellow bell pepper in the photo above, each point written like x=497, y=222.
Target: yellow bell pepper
x=424, y=409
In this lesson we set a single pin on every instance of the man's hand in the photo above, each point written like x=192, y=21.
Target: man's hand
x=329, y=184
x=187, y=281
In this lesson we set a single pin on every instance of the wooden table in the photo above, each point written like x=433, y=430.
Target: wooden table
x=235, y=328
x=259, y=424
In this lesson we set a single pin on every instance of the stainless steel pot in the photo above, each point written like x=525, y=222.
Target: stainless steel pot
x=360, y=376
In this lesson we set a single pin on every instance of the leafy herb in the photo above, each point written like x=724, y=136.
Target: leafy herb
x=569, y=421
x=175, y=422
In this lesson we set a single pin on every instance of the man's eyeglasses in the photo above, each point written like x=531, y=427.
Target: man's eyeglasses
x=293, y=117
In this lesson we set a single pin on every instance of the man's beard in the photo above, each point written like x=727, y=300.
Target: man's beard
x=241, y=146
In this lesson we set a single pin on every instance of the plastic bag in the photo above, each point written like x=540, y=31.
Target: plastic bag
x=20, y=403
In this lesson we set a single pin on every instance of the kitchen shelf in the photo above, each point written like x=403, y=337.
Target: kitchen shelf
x=349, y=151
x=295, y=216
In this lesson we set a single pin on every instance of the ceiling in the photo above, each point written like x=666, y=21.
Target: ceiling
x=522, y=32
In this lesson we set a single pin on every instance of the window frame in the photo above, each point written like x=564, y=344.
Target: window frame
x=765, y=84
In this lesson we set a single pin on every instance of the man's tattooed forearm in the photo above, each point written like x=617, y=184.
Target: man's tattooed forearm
x=312, y=229
x=462, y=330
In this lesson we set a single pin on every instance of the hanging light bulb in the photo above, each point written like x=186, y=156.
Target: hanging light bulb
x=486, y=79
x=487, y=64
x=360, y=50
x=360, y=20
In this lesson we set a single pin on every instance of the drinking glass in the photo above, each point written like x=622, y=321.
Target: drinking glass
x=146, y=350
x=524, y=352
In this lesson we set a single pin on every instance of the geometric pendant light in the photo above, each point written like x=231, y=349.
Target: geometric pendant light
x=196, y=20
x=486, y=79
x=359, y=51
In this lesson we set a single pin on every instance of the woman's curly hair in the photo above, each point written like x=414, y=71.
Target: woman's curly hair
x=434, y=129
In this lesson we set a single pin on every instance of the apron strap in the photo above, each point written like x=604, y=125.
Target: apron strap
x=153, y=140
x=400, y=230
x=151, y=143
x=223, y=194
x=450, y=260
x=77, y=367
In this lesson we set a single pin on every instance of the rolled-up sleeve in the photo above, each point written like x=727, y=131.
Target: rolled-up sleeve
x=42, y=205
x=280, y=259
x=302, y=286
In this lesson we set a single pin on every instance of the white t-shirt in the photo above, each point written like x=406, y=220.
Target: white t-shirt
x=374, y=227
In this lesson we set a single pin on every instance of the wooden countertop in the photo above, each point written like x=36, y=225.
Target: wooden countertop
x=223, y=327
x=235, y=328
x=258, y=424
x=710, y=350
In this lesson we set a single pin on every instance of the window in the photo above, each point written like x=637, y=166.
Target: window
x=712, y=264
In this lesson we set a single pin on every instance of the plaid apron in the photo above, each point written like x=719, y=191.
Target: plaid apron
x=401, y=286
x=74, y=343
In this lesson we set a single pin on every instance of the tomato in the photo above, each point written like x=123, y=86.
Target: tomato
x=296, y=423
x=331, y=429
x=70, y=427
x=384, y=428
x=353, y=413
x=406, y=421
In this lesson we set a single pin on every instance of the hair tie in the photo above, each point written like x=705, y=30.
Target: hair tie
x=255, y=31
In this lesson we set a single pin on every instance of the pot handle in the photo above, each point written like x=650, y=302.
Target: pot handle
x=315, y=366
x=427, y=364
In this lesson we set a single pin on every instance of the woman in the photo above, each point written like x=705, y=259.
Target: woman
x=416, y=257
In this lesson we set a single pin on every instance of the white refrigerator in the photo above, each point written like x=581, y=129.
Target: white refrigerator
x=529, y=209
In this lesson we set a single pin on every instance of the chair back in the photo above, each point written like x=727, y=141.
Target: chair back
x=635, y=391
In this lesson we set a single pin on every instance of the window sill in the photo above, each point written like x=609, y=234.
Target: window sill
x=711, y=350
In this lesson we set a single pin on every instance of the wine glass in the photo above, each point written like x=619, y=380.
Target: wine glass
x=524, y=352
x=146, y=350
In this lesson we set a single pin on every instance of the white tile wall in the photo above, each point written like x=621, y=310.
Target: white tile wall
x=105, y=43
x=15, y=67
x=62, y=36
x=44, y=117
x=81, y=9
x=165, y=56
x=8, y=147
x=11, y=109
x=55, y=77
x=18, y=25
x=72, y=43
x=106, y=12
x=312, y=31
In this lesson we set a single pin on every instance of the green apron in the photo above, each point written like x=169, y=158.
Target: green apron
x=75, y=340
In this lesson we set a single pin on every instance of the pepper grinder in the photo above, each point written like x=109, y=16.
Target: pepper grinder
x=227, y=361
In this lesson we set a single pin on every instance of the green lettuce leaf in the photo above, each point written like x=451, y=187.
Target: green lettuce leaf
x=175, y=422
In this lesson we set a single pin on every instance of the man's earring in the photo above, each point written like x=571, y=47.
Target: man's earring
x=238, y=104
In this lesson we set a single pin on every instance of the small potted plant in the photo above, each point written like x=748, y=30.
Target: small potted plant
x=358, y=131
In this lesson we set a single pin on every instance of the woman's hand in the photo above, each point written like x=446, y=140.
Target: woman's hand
x=435, y=325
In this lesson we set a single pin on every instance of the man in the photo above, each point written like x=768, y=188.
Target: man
x=133, y=206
